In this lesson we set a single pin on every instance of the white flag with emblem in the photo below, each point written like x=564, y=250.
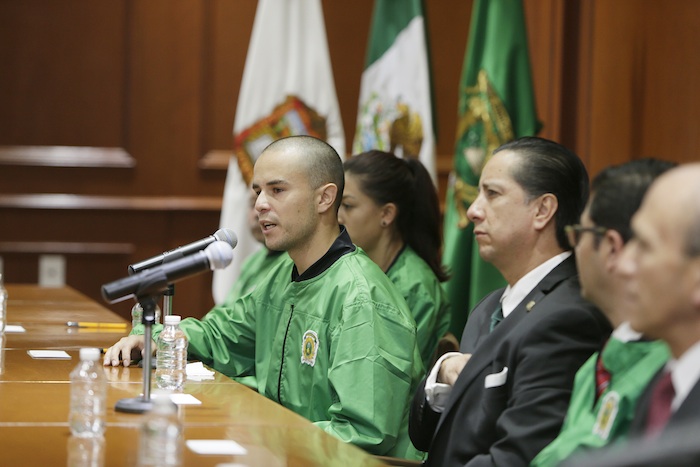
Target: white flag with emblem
x=287, y=89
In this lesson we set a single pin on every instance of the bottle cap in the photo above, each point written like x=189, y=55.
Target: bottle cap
x=89, y=353
x=172, y=319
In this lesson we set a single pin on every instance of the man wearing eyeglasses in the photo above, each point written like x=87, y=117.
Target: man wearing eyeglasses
x=608, y=385
x=504, y=396
x=661, y=268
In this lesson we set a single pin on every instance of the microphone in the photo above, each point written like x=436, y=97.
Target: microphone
x=224, y=235
x=218, y=255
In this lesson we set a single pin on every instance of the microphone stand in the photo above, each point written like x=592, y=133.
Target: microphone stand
x=168, y=301
x=144, y=403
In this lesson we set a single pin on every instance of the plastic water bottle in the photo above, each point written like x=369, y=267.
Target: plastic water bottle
x=3, y=305
x=86, y=452
x=161, y=435
x=137, y=315
x=171, y=355
x=88, y=394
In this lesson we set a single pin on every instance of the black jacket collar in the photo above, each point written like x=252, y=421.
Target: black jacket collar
x=340, y=246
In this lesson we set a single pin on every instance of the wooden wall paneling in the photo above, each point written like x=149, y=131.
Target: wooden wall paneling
x=227, y=30
x=576, y=67
x=57, y=85
x=165, y=92
x=448, y=29
x=347, y=29
x=643, y=90
x=669, y=99
x=615, y=70
x=545, y=25
x=62, y=92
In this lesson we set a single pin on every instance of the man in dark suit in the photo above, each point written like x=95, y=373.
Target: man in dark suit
x=662, y=267
x=504, y=397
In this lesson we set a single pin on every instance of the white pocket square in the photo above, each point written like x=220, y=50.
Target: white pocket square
x=496, y=379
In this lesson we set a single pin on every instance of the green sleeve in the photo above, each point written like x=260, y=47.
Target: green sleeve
x=372, y=374
x=432, y=320
x=224, y=339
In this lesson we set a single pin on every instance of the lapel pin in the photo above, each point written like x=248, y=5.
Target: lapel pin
x=529, y=305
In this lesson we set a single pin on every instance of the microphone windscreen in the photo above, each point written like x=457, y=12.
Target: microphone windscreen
x=220, y=255
x=228, y=236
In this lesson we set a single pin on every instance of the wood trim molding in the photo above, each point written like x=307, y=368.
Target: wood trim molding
x=67, y=248
x=216, y=159
x=134, y=203
x=66, y=156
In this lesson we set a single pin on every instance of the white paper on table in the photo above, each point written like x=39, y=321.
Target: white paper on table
x=219, y=447
x=178, y=398
x=14, y=328
x=185, y=399
x=197, y=372
x=53, y=354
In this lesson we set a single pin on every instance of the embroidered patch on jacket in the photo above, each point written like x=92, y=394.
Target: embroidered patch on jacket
x=309, y=347
x=607, y=412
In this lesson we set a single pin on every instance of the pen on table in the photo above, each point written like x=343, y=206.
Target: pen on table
x=85, y=324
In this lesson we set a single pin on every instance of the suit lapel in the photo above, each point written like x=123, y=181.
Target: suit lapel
x=488, y=345
x=689, y=409
x=479, y=322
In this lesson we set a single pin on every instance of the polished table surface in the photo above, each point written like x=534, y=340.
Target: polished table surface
x=34, y=397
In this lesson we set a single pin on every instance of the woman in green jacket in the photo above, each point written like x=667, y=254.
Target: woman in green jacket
x=390, y=209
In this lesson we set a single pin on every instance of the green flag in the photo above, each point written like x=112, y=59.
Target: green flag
x=496, y=105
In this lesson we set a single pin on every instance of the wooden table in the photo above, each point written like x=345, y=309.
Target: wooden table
x=34, y=397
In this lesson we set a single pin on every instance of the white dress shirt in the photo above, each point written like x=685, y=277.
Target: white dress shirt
x=685, y=373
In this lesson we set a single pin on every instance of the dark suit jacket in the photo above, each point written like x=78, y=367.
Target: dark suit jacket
x=687, y=413
x=542, y=343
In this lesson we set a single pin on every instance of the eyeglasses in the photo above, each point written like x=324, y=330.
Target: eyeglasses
x=573, y=233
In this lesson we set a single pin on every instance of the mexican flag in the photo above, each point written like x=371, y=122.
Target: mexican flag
x=287, y=89
x=395, y=109
x=496, y=105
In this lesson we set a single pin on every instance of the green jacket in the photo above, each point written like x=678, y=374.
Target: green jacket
x=253, y=270
x=336, y=345
x=425, y=298
x=593, y=424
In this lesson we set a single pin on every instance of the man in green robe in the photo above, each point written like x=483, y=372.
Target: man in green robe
x=326, y=334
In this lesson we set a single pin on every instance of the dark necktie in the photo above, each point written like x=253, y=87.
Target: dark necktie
x=602, y=377
x=660, y=405
x=496, y=317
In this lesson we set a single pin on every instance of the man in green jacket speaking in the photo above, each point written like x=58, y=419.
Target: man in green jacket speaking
x=326, y=334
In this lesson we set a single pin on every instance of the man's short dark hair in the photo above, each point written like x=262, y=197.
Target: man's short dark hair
x=323, y=165
x=618, y=191
x=549, y=167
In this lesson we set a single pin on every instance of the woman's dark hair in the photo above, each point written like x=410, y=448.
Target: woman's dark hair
x=386, y=178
